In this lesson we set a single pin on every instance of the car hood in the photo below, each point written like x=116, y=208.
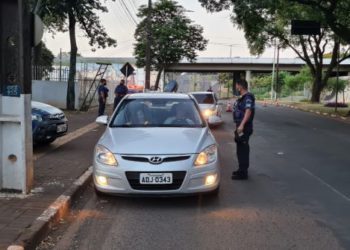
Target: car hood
x=45, y=108
x=156, y=140
x=206, y=106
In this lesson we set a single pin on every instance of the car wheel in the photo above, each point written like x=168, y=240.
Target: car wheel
x=47, y=141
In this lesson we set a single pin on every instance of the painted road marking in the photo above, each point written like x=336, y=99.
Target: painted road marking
x=327, y=185
x=68, y=137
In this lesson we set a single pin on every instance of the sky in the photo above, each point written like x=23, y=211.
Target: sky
x=225, y=39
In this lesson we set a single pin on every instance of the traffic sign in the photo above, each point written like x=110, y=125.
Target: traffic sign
x=305, y=27
x=127, y=69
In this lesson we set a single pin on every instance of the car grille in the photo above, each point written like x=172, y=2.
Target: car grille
x=165, y=159
x=134, y=181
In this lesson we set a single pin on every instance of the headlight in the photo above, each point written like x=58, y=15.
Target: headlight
x=104, y=156
x=207, y=156
x=36, y=117
x=209, y=112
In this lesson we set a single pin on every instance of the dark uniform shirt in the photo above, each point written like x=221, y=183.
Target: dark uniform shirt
x=103, y=90
x=247, y=101
x=121, y=90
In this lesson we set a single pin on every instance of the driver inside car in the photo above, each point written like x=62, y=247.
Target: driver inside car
x=181, y=116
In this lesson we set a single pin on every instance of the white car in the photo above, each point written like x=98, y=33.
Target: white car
x=156, y=144
x=210, y=107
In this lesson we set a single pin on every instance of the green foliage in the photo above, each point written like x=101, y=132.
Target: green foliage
x=56, y=13
x=173, y=36
x=333, y=85
x=43, y=56
x=298, y=81
x=336, y=14
x=64, y=15
x=264, y=22
x=226, y=80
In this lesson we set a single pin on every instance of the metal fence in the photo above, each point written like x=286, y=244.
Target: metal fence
x=43, y=73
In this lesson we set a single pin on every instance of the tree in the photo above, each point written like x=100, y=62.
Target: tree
x=300, y=80
x=42, y=56
x=337, y=86
x=174, y=37
x=265, y=21
x=42, y=61
x=335, y=13
x=65, y=15
x=226, y=79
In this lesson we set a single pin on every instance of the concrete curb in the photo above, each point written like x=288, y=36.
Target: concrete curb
x=306, y=110
x=33, y=235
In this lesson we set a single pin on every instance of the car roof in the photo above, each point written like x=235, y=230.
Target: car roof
x=201, y=92
x=158, y=96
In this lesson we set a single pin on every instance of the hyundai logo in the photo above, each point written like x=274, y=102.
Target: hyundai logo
x=156, y=160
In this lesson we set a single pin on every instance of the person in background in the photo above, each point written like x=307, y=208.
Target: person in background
x=243, y=115
x=120, y=91
x=102, y=97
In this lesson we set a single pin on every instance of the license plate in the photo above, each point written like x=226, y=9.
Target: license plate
x=156, y=178
x=61, y=128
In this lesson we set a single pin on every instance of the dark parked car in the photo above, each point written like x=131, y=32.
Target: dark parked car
x=48, y=123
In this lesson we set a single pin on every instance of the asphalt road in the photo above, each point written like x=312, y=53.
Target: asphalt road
x=297, y=197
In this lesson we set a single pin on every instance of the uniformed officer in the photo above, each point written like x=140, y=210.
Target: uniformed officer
x=102, y=97
x=243, y=115
x=120, y=91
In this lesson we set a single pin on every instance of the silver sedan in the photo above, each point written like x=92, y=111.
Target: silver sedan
x=156, y=143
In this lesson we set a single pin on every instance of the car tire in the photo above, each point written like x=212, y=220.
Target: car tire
x=48, y=141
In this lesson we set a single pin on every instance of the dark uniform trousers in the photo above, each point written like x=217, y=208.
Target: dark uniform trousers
x=243, y=149
x=101, y=106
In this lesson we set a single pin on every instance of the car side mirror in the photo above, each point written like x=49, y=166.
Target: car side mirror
x=103, y=119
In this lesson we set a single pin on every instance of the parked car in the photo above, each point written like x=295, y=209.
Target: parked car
x=156, y=144
x=48, y=123
x=210, y=107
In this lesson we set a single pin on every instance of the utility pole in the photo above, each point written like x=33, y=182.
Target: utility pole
x=277, y=71
x=337, y=83
x=16, y=148
x=273, y=70
x=60, y=74
x=148, y=48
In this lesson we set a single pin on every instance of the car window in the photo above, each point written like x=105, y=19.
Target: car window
x=157, y=113
x=204, y=98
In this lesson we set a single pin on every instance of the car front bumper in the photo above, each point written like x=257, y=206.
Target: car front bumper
x=49, y=130
x=187, y=179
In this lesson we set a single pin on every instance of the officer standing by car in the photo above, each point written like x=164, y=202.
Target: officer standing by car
x=120, y=91
x=243, y=116
x=102, y=97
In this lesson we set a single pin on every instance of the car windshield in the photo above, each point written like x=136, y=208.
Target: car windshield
x=157, y=113
x=204, y=98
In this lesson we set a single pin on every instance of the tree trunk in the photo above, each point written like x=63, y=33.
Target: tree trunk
x=156, y=86
x=318, y=84
x=73, y=60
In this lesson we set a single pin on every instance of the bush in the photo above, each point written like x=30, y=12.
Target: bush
x=332, y=105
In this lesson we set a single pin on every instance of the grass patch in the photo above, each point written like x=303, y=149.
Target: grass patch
x=319, y=107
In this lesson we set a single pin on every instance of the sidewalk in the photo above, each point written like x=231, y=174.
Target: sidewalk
x=54, y=173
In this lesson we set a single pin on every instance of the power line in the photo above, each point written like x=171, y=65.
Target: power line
x=134, y=7
x=128, y=13
x=123, y=13
x=118, y=18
